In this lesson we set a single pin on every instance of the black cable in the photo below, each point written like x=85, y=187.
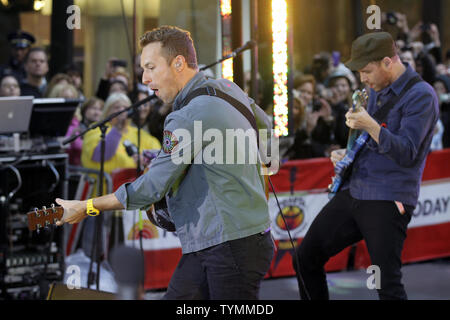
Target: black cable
x=299, y=276
x=124, y=18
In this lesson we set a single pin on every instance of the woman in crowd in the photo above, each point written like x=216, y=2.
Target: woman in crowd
x=91, y=111
x=314, y=134
x=9, y=86
x=140, y=118
x=341, y=101
x=119, y=131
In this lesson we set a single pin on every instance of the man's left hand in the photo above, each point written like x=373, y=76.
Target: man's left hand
x=361, y=120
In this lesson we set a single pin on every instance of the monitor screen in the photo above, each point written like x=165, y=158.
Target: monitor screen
x=52, y=117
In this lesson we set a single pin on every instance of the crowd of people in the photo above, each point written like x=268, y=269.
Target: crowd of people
x=323, y=91
x=27, y=73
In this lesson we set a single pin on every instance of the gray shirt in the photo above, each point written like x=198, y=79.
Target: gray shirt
x=209, y=202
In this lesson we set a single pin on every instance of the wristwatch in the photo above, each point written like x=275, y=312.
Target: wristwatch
x=91, y=210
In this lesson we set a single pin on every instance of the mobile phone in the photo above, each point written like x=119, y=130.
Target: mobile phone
x=119, y=63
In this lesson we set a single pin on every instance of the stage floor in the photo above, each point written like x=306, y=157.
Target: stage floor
x=423, y=281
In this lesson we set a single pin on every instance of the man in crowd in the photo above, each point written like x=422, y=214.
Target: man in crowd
x=36, y=67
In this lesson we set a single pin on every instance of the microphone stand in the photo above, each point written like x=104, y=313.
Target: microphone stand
x=138, y=172
x=96, y=246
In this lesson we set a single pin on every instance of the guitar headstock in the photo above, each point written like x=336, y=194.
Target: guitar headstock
x=360, y=98
x=45, y=217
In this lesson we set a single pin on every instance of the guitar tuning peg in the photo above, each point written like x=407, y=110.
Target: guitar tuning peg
x=53, y=208
x=44, y=209
x=36, y=212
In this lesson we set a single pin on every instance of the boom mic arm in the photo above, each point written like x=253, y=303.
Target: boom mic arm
x=248, y=45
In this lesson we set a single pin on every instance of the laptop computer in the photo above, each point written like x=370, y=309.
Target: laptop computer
x=15, y=114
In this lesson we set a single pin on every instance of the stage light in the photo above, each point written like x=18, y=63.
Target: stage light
x=225, y=13
x=280, y=66
x=5, y=3
x=38, y=5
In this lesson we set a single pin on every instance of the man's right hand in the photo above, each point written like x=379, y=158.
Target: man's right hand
x=74, y=211
x=337, y=155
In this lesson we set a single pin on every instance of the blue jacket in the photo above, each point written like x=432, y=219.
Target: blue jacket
x=392, y=169
x=209, y=202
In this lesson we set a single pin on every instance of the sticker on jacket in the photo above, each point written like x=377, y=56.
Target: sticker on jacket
x=170, y=141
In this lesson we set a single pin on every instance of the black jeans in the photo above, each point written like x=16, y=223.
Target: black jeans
x=344, y=221
x=229, y=271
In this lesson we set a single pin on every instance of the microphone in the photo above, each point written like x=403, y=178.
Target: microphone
x=128, y=266
x=248, y=45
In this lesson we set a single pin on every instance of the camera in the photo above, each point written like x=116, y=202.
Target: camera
x=425, y=27
x=391, y=18
x=119, y=63
x=316, y=105
x=444, y=98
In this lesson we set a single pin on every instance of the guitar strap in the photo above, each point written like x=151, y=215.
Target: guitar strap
x=381, y=114
x=213, y=92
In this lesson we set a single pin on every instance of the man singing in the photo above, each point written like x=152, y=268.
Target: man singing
x=377, y=200
x=219, y=210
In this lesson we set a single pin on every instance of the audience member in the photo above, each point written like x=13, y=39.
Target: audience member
x=20, y=43
x=442, y=87
x=36, y=67
x=59, y=78
x=91, y=111
x=114, y=71
x=140, y=118
x=116, y=156
x=9, y=86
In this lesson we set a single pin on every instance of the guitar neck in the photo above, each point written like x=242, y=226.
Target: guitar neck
x=352, y=136
x=38, y=219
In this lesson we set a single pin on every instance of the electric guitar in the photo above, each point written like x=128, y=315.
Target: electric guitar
x=356, y=140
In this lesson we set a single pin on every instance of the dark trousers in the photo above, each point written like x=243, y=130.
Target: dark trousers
x=229, y=271
x=344, y=221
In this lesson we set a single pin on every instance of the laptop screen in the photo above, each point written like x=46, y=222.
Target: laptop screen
x=15, y=114
x=52, y=117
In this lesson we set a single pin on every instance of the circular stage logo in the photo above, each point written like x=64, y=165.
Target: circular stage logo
x=148, y=232
x=293, y=211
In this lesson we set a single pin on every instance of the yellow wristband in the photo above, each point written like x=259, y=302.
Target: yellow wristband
x=91, y=210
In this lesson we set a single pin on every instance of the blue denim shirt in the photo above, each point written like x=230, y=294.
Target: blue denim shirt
x=392, y=169
x=210, y=203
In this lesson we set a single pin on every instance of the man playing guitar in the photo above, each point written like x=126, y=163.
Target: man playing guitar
x=377, y=199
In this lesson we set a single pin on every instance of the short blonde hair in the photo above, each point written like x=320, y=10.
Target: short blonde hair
x=58, y=90
x=112, y=99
